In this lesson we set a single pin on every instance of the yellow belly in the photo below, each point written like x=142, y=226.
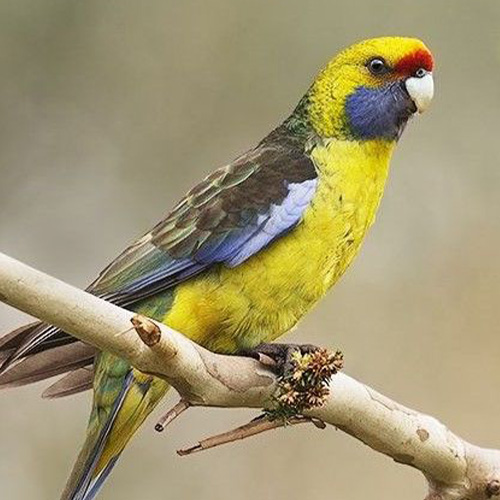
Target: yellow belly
x=227, y=309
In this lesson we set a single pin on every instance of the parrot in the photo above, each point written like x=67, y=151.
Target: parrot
x=248, y=251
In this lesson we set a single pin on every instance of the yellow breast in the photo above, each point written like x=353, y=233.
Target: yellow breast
x=233, y=308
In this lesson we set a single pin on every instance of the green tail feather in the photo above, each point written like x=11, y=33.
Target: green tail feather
x=123, y=398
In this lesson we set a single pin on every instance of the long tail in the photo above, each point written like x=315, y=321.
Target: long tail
x=39, y=351
x=123, y=398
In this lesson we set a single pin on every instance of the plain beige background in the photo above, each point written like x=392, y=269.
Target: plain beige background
x=110, y=110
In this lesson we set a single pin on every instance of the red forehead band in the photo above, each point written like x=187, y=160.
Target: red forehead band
x=419, y=59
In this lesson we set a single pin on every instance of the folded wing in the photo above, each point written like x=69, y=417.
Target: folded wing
x=230, y=216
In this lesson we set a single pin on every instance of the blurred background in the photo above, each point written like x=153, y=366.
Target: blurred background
x=111, y=110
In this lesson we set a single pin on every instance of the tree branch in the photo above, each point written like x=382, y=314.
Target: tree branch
x=453, y=468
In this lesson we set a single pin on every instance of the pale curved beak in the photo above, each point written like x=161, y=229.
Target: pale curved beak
x=421, y=90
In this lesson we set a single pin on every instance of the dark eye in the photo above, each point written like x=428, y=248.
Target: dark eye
x=420, y=73
x=377, y=66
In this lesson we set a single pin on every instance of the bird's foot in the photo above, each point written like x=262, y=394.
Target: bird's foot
x=281, y=358
x=304, y=373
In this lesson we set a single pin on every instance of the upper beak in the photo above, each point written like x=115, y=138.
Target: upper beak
x=421, y=90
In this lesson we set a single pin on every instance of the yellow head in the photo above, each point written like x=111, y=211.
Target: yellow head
x=369, y=90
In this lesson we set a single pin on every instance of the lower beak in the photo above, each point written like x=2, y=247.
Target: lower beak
x=421, y=91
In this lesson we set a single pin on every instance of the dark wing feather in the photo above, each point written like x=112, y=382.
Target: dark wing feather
x=78, y=380
x=231, y=215
x=10, y=342
x=226, y=218
x=48, y=363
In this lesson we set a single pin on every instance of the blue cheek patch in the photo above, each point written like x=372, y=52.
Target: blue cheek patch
x=378, y=113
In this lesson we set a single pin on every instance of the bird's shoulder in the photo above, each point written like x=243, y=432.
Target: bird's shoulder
x=235, y=195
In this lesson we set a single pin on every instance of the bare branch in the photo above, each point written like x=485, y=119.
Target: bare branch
x=453, y=468
x=171, y=415
x=253, y=428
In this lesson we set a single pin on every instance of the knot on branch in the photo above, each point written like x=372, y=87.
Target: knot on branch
x=306, y=385
x=147, y=330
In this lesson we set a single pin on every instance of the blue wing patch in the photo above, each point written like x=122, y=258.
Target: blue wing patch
x=228, y=217
x=280, y=219
x=148, y=268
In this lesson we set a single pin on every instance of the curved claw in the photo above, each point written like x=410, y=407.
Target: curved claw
x=281, y=354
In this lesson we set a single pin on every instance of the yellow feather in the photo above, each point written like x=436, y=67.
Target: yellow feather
x=230, y=309
x=346, y=72
x=135, y=408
